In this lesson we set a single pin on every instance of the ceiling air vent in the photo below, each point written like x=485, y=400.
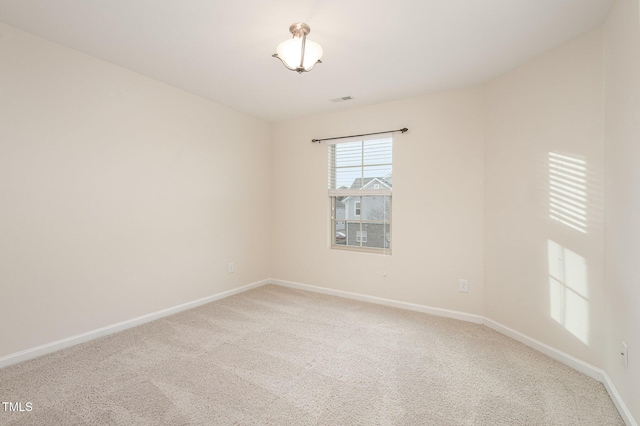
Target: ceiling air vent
x=342, y=99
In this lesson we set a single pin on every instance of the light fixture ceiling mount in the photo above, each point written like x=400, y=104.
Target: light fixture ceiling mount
x=299, y=54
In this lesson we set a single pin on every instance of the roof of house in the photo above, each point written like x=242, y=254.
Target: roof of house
x=366, y=182
x=361, y=183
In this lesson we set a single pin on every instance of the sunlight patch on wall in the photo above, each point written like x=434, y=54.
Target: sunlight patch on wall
x=569, y=290
x=568, y=190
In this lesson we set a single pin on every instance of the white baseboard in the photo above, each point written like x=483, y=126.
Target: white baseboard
x=617, y=400
x=382, y=301
x=47, y=348
x=573, y=362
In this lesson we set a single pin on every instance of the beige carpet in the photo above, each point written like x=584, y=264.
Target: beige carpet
x=276, y=356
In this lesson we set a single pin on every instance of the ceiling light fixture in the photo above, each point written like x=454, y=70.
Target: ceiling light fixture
x=298, y=53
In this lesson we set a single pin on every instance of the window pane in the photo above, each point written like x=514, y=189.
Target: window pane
x=339, y=232
x=377, y=152
x=378, y=235
x=379, y=172
x=339, y=209
x=354, y=165
x=348, y=154
x=351, y=234
x=376, y=208
x=349, y=178
x=371, y=229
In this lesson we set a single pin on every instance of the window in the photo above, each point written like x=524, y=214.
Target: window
x=360, y=182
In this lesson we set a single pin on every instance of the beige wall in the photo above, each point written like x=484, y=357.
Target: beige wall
x=552, y=104
x=622, y=225
x=437, y=202
x=476, y=172
x=119, y=195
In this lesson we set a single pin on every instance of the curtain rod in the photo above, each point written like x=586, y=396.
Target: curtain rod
x=404, y=129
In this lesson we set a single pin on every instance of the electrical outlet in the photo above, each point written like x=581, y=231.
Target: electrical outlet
x=464, y=286
x=231, y=268
x=624, y=352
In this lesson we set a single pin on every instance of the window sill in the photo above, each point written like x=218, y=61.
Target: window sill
x=372, y=250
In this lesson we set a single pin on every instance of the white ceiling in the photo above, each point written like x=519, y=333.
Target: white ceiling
x=374, y=50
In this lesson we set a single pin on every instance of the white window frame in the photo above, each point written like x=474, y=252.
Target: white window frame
x=372, y=188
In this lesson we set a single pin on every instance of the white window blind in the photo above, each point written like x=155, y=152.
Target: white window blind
x=361, y=168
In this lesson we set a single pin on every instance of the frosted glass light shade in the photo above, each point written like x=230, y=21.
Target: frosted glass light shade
x=290, y=51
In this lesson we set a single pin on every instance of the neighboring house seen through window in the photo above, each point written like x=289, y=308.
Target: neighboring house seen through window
x=360, y=183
